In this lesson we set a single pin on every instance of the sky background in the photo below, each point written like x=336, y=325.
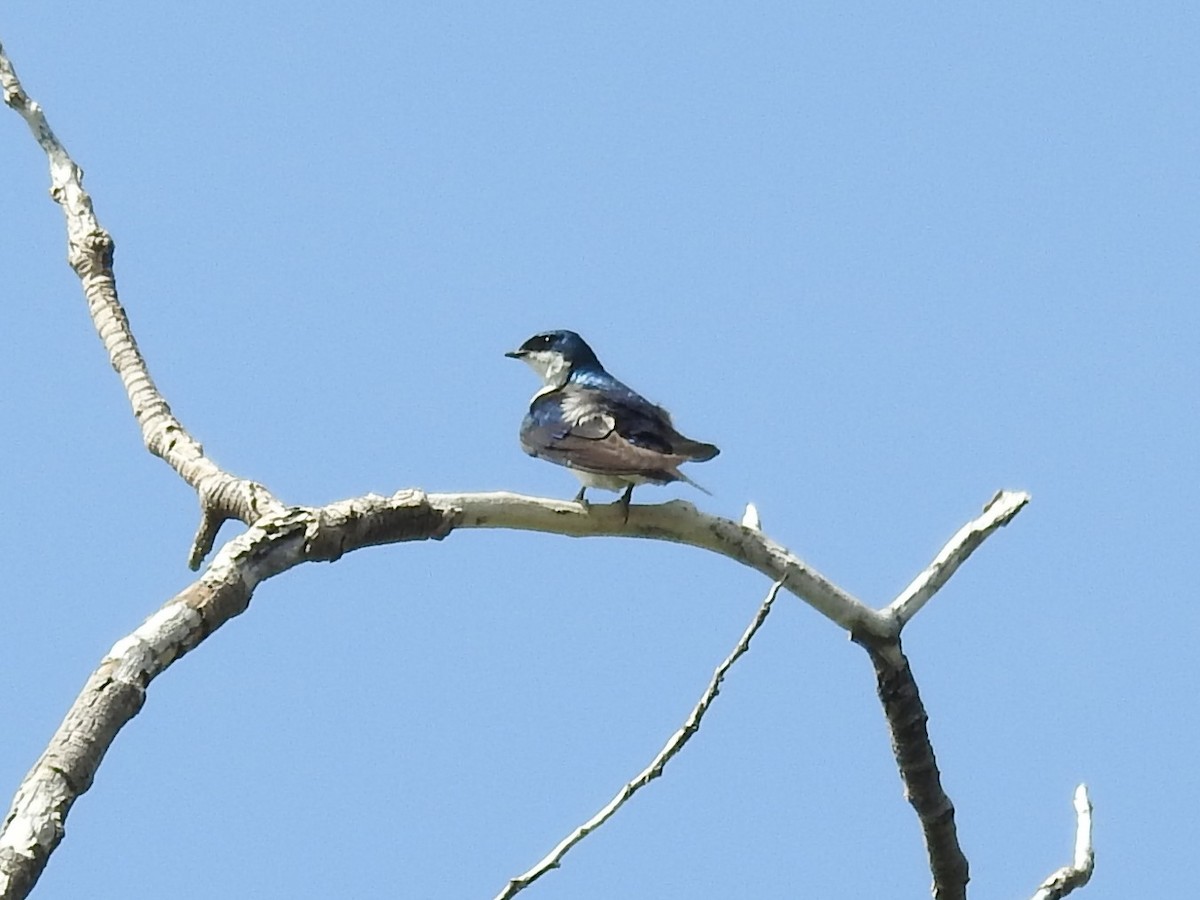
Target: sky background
x=890, y=260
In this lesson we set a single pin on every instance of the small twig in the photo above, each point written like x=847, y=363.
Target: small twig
x=999, y=511
x=1079, y=872
x=554, y=858
x=751, y=518
x=90, y=251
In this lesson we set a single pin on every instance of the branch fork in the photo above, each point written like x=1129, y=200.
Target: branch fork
x=279, y=537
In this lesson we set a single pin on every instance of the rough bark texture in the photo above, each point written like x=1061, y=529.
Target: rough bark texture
x=116, y=691
x=906, y=719
x=280, y=537
x=90, y=250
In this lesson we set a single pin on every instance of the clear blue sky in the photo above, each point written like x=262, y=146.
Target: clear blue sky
x=889, y=259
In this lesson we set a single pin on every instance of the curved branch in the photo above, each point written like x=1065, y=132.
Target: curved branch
x=115, y=693
x=1079, y=873
x=281, y=537
x=116, y=690
x=274, y=544
x=679, y=522
x=90, y=252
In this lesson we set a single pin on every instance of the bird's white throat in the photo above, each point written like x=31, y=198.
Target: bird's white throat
x=551, y=367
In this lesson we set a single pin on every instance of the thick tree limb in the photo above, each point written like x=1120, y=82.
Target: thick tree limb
x=679, y=522
x=998, y=511
x=90, y=253
x=904, y=711
x=553, y=859
x=906, y=719
x=1079, y=872
x=115, y=692
x=281, y=537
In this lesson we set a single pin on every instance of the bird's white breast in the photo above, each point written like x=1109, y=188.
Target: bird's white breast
x=609, y=482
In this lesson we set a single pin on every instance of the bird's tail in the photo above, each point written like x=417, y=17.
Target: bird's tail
x=694, y=484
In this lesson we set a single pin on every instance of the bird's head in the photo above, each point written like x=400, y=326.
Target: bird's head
x=554, y=355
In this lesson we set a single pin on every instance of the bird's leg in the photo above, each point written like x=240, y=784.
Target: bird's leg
x=579, y=497
x=624, y=501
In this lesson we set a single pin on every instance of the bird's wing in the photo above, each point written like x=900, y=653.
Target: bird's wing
x=582, y=429
x=637, y=419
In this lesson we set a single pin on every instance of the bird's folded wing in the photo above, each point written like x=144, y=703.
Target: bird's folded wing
x=595, y=445
x=649, y=426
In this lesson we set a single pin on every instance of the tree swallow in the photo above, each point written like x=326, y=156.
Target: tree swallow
x=609, y=435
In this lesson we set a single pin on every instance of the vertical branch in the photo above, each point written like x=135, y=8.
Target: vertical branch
x=906, y=719
x=1079, y=872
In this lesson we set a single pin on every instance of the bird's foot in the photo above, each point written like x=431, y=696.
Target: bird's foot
x=624, y=503
x=579, y=498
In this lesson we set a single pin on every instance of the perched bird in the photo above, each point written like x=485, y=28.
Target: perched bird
x=609, y=435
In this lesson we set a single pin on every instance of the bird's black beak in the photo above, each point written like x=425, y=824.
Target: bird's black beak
x=515, y=354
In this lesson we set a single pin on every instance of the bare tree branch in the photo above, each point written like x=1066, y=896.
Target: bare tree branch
x=115, y=692
x=553, y=859
x=1079, y=872
x=906, y=719
x=280, y=538
x=90, y=253
x=905, y=713
x=276, y=543
x=998, y=511
x=679, y=522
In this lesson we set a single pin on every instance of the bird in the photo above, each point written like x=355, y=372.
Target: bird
x=606, y=433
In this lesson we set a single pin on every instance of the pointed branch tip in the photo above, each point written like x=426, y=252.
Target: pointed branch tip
x=998, y=512
x=1083, y=863
x=750, y=518
x=691, y=725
